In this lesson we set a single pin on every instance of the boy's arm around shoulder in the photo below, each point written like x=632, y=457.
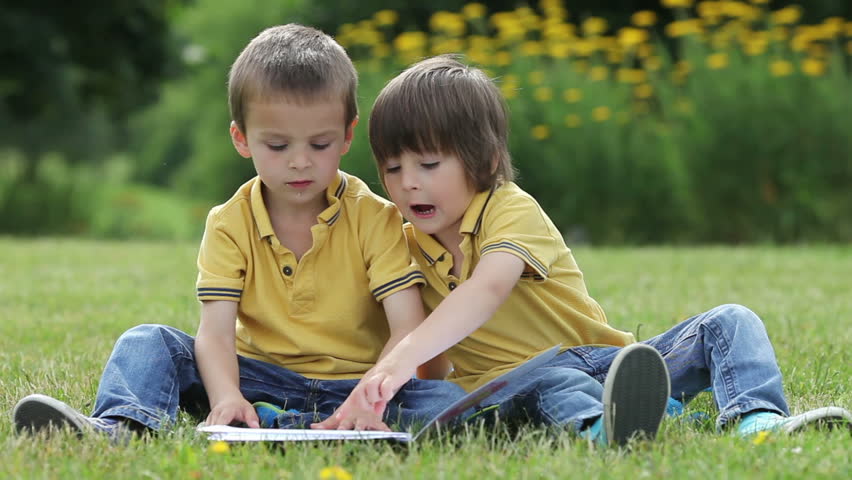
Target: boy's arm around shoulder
x=216, y=357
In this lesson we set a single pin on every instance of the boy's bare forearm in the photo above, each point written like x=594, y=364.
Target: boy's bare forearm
x=215, y=351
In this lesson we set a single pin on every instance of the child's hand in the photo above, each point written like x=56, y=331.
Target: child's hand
x=380, y=384
x=354, y=414
x=233, y=410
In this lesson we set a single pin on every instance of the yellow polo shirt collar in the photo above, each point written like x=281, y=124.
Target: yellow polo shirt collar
x=261, y=216
x=432, y=250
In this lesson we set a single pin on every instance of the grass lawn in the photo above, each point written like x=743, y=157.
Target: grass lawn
x=64, y=303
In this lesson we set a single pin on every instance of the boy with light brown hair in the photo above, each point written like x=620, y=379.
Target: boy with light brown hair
x=305, y=279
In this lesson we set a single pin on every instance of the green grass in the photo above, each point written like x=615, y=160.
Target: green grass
x=64, y=302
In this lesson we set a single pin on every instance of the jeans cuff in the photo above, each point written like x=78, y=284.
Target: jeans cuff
x=137, y=415
x=738, y=410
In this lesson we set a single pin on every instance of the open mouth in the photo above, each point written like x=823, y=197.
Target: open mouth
x=423, y=210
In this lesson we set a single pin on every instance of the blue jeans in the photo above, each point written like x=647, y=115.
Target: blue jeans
x=726, y=348
x=152, y=372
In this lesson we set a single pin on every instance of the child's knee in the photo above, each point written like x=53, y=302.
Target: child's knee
x=733, y=316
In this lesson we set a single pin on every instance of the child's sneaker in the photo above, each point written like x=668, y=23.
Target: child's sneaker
x=826, y=417
x=36, y=413
x=268, y=413
x=636, y=393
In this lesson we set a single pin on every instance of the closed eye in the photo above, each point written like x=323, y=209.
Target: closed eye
x=320, y=146
x=392, y=169
x=278, y=148
x=430, y=166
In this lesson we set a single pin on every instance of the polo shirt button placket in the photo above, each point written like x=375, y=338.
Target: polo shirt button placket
x=452, y=286
x=288, y=270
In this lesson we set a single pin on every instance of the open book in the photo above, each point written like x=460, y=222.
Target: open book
x=518, y=377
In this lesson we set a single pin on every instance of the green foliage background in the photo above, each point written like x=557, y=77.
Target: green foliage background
x=722, y=155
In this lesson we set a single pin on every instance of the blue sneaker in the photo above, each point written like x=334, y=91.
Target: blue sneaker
x=826, y=417
x=268, y=413
x=41, y=413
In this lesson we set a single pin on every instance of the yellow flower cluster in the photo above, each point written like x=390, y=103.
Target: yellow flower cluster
x=531, y=46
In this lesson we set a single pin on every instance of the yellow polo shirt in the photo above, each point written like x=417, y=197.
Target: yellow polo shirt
x=549, y=305
x=320, y=317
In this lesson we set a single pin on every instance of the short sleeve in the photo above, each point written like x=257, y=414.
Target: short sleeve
x=390, y=266
x=221, y=263
x=516, y=224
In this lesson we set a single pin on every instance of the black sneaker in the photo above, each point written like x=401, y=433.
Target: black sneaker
x=36, y=413
x=636, y=392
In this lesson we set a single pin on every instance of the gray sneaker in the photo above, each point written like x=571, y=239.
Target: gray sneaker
x=37, y=413
x=636, y=392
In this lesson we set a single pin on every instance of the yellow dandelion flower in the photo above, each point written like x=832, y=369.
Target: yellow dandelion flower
x=572, y=95
x=447, y=22
x=335, y=473
x=540, y=132
x=781, y=68
x=601, y=114
x=680, y=28
x=543, y=94
x=572, y=120
x=559, y=50
x=760, y=438
x=584, y=48
x=594, y=26
x=759, y=2
x=813, y=67
x=219, y=447
x=384, y=18
x=598, y=73
x=787, y=15
x=643, y=18
x=474, y=10
x=756, y=46
x=408, y=41
x=643, y=91
x=630, y=37
x=717, y=61
x=676, y=3
x=711, y=12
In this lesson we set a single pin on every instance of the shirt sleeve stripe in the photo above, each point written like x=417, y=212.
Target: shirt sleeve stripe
x=216, y=294
x=211, y=289
x=522, y=251
x=410, y=278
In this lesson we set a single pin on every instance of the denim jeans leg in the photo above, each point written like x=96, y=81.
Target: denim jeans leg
x=418, y=401
x=152, y=372
x=726, y=348
x=149, y=367
x=564, y=397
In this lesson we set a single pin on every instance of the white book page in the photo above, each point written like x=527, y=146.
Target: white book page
x=238, y=434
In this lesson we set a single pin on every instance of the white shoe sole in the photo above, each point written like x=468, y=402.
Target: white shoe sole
x=636, y=392
x=825, y=417
x=35, y=413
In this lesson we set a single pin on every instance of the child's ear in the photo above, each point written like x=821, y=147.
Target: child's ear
x=239, y=141
x=347, y=139
x=494, y=163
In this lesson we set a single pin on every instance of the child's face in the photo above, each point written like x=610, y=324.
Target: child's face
x=431, y=191
x=295, y=148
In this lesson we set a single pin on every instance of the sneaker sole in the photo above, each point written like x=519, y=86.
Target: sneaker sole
x=636, y=392
x=825, y=417
x=35, y=413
